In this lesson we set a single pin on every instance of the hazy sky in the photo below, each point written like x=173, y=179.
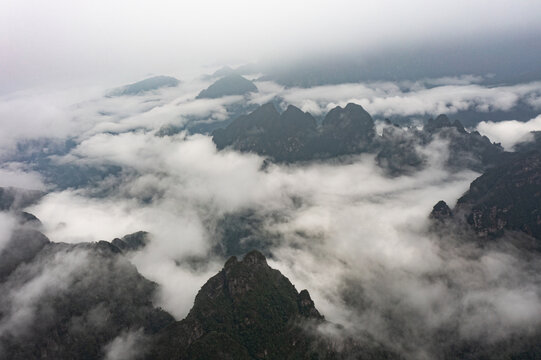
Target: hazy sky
x=44, y=43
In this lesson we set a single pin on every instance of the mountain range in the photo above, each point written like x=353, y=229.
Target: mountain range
x=294, y=136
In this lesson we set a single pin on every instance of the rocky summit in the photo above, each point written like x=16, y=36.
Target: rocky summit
x=246, y=311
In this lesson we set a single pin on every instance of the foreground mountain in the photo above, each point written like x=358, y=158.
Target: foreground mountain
x=295, y=136
x=64, y=301
x=143, y=86
x=232, y=84
x=246, y=311
x=251, y=311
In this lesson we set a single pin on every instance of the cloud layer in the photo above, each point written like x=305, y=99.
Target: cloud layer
x=511, y=132
x=350, y=235
x=67, y=42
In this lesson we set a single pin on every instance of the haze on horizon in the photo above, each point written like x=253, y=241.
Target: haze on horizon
x=59, y=42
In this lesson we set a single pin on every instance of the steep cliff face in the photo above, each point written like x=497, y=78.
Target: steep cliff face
x=506, y=197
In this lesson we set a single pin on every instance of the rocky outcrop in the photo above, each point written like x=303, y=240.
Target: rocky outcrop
x=441, y=211
x=246, y=311
x=506, y=197
x=132, y=242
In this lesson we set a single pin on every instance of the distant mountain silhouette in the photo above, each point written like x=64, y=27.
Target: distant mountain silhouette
x=140, y=87
x=232, y=84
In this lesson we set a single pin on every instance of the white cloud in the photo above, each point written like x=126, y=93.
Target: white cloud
x=127, y=346
x=511, y=132
x=16, y=175
x=410, y=99
x=342, y=225
x=20, y=299
x=7, y=223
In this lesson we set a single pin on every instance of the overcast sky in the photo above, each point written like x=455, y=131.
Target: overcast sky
x=62, y=41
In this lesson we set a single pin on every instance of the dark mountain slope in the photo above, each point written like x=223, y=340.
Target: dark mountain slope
x=232, y=84
x=75, y=299
x=506, y=197
x=294, y=136
x=251, y=311
x=246, y=311
x=289, y=136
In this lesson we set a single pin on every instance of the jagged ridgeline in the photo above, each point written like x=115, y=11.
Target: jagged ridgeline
x=246, y=311
x=506, y=197
x=232, y=84
x=94, y=295
x=294, y=135
x=251, y=311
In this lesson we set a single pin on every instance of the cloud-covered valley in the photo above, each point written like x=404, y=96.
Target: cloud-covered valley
x=358, y=240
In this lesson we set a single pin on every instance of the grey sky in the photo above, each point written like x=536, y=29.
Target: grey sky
x=59, y=41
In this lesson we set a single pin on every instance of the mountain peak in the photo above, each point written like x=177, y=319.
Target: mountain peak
x=442, y=121
x=254, y=257
x=232, y=84
x=441, y=211
x=248, y=310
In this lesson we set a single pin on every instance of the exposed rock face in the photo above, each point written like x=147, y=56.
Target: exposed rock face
x=132, y=242
x=506, y=197
x=140, y=87
x=247, y=311
x=441, y=211
x=232, y=84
